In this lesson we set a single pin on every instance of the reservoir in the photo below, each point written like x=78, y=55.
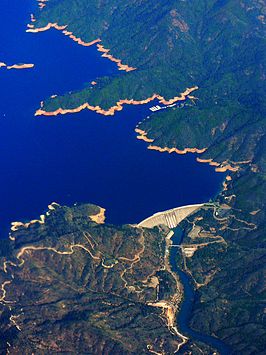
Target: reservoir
x=84, y=157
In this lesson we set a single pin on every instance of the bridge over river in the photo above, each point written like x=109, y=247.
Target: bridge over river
x=170, y=218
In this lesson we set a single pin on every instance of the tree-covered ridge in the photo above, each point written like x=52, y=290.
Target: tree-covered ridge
x=172, y=45
x=230, y=276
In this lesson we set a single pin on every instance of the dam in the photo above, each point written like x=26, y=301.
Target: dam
x=170, y=218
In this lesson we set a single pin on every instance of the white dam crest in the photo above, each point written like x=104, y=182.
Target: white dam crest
x=171, y=218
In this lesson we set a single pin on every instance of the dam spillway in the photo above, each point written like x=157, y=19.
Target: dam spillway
x=170, y=218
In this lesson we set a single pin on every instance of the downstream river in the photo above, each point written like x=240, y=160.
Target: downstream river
x=190, y=295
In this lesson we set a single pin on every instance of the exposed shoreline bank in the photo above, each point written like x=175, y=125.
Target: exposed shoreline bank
x=221, y=167
x=100, y=47
x=118, y=107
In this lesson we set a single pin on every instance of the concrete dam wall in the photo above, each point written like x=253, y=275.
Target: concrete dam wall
x=170, y=218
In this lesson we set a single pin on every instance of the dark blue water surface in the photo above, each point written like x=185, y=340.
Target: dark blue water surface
x=83, y=157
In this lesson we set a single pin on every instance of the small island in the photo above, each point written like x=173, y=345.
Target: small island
x=16, y=66
x=20, y=66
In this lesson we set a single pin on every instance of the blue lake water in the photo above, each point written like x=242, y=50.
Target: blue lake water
x=83, y=157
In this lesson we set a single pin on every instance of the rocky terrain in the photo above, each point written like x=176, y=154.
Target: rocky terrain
x=69, y=284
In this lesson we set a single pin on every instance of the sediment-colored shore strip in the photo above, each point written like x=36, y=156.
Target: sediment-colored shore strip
x=142, y=135
x=46, y=28
x=227, y=167
x=100, y=47
x=20, y=66
x=105, y=54
x=220, y=167
x=98, y=218
x=119, y=105
x=79, y=40
x=175, y=150
x=16, y=225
